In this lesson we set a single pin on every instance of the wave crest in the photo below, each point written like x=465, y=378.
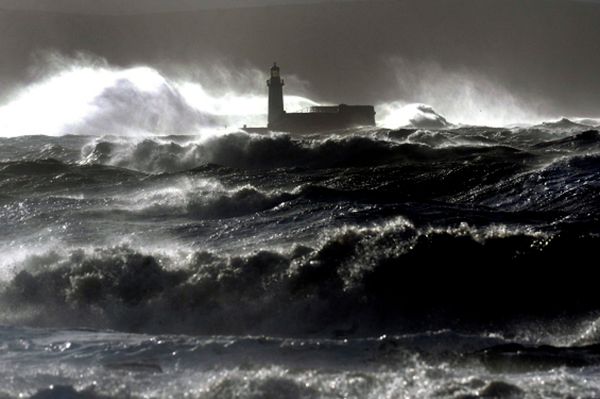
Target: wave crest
x=241, y=150
x=420, y=116
x=379, y=278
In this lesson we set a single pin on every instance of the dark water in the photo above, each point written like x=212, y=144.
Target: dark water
x=365, y=264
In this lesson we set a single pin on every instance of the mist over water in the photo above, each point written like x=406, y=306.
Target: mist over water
x=97, y=98
x=151, y=248
x=466, y=96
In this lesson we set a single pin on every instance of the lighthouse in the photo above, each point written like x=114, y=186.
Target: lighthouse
x=314, y=120
x=275, y=84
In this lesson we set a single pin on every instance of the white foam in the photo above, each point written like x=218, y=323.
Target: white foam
x=85, y=97
x=398, y=114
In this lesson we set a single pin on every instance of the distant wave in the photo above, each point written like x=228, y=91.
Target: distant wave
x=591, y=122
x=90, y=97
x=588, y=140
x=249, y=151
x=565, y=185
x=421, y=116
x=243, y=151
x=563, y=124
x=352, y=149
x=98, y=99
x=478, y=169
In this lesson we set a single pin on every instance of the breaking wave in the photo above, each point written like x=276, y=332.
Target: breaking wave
x=420, y=116
x=102, y=100
x=309, y=265
x=248, y=151
x=357, y=280
x=242, y=150
x=566, y=124
x=481, y=168
x=88, y=96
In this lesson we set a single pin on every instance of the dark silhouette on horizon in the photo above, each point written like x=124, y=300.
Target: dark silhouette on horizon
x=313, y=119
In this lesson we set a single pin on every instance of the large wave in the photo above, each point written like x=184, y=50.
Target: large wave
x=479, y=167
x=358, y=280
x=241, y=150
x=88, y=96
x=101, y=100
x=420, y=116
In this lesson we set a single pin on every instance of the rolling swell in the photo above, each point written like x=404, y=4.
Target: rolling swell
x=569, y=184
x=244, y=151
x=588, y=140
x=486, y=179
x=225, y=204
x=357, y=281
x=489, y=213
x=31, y=178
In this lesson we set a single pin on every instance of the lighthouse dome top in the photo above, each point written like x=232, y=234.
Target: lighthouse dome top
x=275, y=70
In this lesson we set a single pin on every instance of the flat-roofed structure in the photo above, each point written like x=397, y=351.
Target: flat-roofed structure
x=314, y=119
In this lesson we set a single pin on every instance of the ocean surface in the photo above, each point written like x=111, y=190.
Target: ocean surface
x=369, y=263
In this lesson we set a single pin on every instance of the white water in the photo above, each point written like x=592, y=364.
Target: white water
x=86, y=95
x=92, y=98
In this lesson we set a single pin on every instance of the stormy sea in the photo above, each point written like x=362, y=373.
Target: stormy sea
x=431, y=260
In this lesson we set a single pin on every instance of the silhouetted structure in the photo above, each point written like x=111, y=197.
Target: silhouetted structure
x=315, y=119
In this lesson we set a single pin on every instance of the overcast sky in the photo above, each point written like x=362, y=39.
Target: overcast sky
x=119, y=7
x=116, y=7
x=541, y=53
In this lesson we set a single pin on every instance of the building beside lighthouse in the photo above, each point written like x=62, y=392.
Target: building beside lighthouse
x=314, y=119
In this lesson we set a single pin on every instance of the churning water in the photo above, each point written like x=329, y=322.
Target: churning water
x=367, y=263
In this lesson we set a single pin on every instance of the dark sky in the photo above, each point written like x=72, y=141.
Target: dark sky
x=125, y=7
x=543, y=54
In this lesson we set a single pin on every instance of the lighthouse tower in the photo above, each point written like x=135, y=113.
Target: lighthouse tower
x=275, y=84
